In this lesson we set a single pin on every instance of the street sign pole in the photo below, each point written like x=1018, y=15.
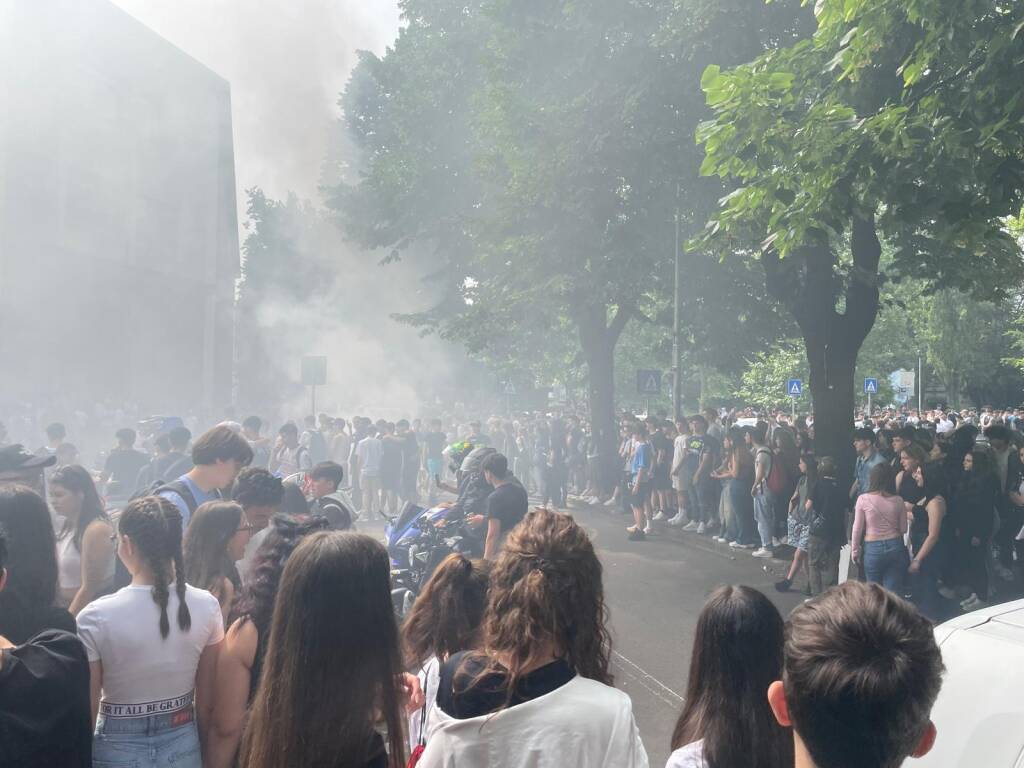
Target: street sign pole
x=794, y=409
x=869, y=405
x=313, y=387
x=677, y=401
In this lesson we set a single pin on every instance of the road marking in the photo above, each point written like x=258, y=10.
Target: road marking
x=640, y=675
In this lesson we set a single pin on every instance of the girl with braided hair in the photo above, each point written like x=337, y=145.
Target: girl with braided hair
x=538, y=692
x=152, y=648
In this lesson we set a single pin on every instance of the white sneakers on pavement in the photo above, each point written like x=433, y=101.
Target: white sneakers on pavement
x=762, y=552
x=701, y=528
x=659, y=516
x=678, y=519
x=691, y=526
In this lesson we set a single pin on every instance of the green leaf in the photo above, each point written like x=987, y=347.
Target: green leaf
x=712, y=73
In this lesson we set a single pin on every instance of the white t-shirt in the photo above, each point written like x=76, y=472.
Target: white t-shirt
x=688, y=756
x=370, y=451
x=430, y=679
x=582, y=723
x=122, y=630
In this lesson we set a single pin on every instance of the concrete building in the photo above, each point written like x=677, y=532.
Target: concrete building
x=118, y=227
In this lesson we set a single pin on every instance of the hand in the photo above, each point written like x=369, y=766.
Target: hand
x=975, y=541
x=855, y=556
x=474, y=520
x=915, y=566
x=413, y=691
x=809, y=505
x=919, y=477
x=753, y=491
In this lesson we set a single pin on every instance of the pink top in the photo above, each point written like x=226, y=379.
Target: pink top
x=880, y=517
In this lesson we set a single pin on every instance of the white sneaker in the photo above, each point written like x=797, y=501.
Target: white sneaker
x=721, y=539
x=659, y=516
x=691, y=526
x=647, y=529
x=701, y=528
x=677, y=520
x=735, y=545
x=762, y=552
x=611, y=502
x=972, y=599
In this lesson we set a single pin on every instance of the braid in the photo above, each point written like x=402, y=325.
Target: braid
x=174, y=540
x=154, y=525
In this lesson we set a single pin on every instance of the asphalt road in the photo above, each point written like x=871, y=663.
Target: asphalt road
x=655, y=590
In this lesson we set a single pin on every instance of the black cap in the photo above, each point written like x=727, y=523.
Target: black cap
x=14, y=458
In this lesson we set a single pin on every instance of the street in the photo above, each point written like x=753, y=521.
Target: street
x=655, y=590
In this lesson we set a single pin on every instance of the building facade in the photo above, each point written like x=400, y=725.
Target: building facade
x=118, y=228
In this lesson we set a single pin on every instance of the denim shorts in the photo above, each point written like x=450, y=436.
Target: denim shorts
x=152, y=745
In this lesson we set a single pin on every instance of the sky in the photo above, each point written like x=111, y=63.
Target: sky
x=287, y=62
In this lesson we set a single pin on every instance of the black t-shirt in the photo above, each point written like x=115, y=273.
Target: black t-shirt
x=508, y=504
x=19, y=621
x=462, y=693
x=434, y=441
x=123, y=465
x=410, y=453
x=44, y=703
x=662, y=452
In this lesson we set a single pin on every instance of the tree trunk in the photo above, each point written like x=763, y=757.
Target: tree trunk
x=808, y=284
x=598, y=339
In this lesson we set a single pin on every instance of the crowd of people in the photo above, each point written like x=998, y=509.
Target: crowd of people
x=935, y=511
x=225, y=613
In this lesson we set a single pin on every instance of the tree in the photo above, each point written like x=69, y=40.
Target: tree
x=541, y=150
x=763, y=384
x=894, y=119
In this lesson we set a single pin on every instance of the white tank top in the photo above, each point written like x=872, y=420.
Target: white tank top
x=69, y=563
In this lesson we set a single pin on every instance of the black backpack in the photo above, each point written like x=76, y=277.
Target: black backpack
x=121, y=576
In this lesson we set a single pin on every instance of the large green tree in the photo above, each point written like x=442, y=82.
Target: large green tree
x=896, y=119
x=540, y=150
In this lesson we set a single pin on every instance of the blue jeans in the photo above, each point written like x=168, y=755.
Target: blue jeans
x=743, y=526
x=886, y=563
x=764, y=515
x=147, y=746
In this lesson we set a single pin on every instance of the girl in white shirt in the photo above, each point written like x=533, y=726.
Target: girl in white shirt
x=152, y=678
x=444, y=620
x=538, y=692
x=737, y=653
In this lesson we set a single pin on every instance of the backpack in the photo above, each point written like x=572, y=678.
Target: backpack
x=775, y=481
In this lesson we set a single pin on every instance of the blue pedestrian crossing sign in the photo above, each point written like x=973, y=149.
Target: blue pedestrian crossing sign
x=794, y=387
x=870, y=386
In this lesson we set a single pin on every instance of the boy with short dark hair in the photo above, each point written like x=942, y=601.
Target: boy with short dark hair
x=328, y=500
x=861, y=672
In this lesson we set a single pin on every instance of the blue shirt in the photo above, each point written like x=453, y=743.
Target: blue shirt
x=642, y=459
x=198, y=494
x=864, y=467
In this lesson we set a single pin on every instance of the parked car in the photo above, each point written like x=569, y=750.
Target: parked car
x=979, y=714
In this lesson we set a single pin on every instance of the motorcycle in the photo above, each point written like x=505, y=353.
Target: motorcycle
x=417, y=541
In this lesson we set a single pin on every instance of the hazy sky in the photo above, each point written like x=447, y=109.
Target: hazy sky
x=287, y=62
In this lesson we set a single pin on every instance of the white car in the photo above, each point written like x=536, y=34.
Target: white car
x=980, y=711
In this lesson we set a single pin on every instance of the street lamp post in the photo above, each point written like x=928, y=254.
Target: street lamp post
x=677, y=399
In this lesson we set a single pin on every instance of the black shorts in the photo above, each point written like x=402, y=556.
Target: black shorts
x=639, y=497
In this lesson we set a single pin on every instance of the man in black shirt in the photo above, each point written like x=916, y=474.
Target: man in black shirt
x=123, y=465
x=506, y=506
x=44, y=698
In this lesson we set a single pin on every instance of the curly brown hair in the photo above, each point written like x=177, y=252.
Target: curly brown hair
x=546, y=586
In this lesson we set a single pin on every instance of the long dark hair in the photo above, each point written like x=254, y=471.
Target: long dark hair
x=547, y=585
x=737, y=654
x=255, y=602
x=154, y=526
x=31, y=562
x=78, y=480
x=445, y=618
x=333, y=666
x=210, y=529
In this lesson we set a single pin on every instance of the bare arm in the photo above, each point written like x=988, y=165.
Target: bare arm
x=97, y=554
x=205, y=685
x=225, y=594
x=936, y=511
x=491, y=542
x=231, y=694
